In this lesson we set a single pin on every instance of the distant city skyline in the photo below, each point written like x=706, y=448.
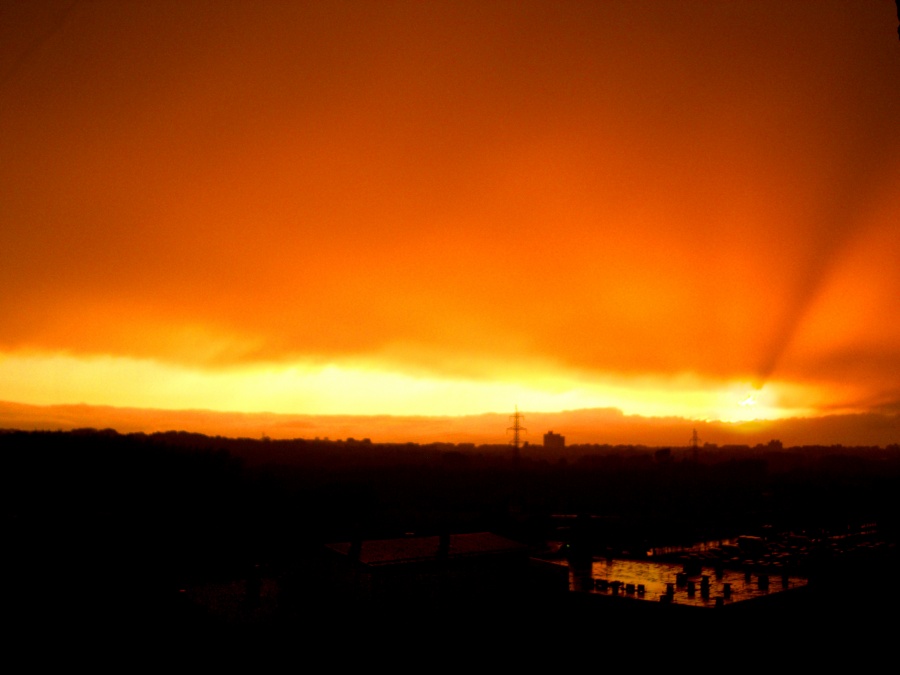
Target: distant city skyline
x=576, y=427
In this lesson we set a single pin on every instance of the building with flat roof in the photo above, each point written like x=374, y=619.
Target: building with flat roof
x=555, y=441
x=438, y=569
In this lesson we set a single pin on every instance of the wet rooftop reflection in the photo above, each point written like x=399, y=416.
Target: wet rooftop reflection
x=670, y=582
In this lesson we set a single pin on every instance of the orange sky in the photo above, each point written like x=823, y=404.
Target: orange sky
x=667, y=207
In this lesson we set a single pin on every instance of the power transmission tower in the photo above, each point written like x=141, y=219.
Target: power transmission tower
x=695, y=445
x=516, y=428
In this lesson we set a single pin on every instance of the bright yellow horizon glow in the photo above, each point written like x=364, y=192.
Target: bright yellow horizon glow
x=334, y=389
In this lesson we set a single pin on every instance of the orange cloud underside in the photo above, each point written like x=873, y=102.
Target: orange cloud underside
x=444, y=204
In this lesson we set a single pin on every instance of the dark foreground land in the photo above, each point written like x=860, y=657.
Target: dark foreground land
x=180, y=534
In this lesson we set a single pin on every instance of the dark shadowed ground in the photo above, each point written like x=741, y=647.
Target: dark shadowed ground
x=181, y=539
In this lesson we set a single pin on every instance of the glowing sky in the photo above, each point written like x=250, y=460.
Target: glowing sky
x=668, y=207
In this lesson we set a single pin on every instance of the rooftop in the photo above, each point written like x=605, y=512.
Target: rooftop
x=669, y=582
x=423, y=548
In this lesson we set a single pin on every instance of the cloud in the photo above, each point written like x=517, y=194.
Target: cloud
x=458, y=190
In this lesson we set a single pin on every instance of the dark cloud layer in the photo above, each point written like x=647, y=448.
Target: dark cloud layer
x=618, y=187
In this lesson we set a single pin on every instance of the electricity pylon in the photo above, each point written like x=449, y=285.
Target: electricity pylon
x=516, y=428
x=695, y=445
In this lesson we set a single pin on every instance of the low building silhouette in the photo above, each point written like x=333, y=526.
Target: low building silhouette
x=554, y=441
x=439, y=570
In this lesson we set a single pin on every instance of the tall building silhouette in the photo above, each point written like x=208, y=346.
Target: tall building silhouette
x=554, y=441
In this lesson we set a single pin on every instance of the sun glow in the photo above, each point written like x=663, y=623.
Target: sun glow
x=333, y=389
x=564, y=211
